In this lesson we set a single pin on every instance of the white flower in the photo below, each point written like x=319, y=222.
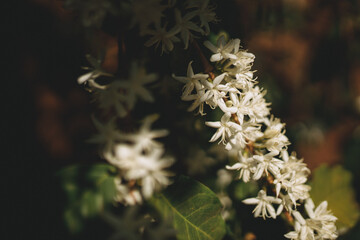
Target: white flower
x=246, y=166
x=224, y=178
x=239, y=106
x=257, y=106
x=243, y=61
x=107, y=135
x=122, y=156
x=160, y=35
x=184, y=25
x=293, y=164
x=121, y=95
x=303, y=231
x=144, y=138
x=134, y=86
x=223, y=50
x=126, y=195
x=154, y=175
x=226, y=202
x=192, y=81
x=250, y=103
x=286, y=203
x=226, y=128
x=274, y=135
x=149, y=169
x=214, y=93
x=282, y=181
x=274, y=127
x=146, y=12
x=321, y=213
x=297, y=188
x=140, y=162
x=267, y=163
x=96, y=72
x=277, y=143
x=248, y=132
x=319, y=225
x=324, y=216
x=112, y=98
x=264, y=206
x=205, y=13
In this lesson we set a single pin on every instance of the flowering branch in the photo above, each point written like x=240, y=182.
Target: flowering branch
x=261, y=154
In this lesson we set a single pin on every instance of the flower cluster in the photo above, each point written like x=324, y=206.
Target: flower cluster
x=140, y=161
x=256, y=137
x=148, y=14
x=138, y=157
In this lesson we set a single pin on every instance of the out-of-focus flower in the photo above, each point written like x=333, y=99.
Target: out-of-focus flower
x=96, y=71
x=147, y=12
x=161, y=35
x=184, y=25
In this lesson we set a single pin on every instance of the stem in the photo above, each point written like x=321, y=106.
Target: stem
x=208, y=68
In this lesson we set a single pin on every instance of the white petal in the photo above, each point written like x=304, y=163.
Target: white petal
x=215, y=57
x=280, y=209
x=299, y=217
x=258, y=173
x=236, y=166
x=278, y=187
x=291, y=235
x=217, y=135
x=210, y=46
x=250, y=201
x=219, y=78
x=321, y=208
x=84, y=78
x=271, y=210
x=258, y=210
x=213, y=124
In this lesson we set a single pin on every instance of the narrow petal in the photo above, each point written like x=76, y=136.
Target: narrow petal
x=210, y=46
x=321, y=208
x=217, y=135
x=251, y=201
x=84, y=78
x=215, y=57
x=219, y=79
x=213, y=124
x=299, y=218
x=271, y=210
x=236, y=166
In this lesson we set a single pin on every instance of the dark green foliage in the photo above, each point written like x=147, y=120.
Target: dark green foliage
x=89, y=190
x=194, y=208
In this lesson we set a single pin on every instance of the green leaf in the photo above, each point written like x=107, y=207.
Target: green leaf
x=73, y=220
x=194, y=209
x=89, y=190
x=334, y=186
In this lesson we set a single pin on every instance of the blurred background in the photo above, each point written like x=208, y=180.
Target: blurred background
x=307, y=57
